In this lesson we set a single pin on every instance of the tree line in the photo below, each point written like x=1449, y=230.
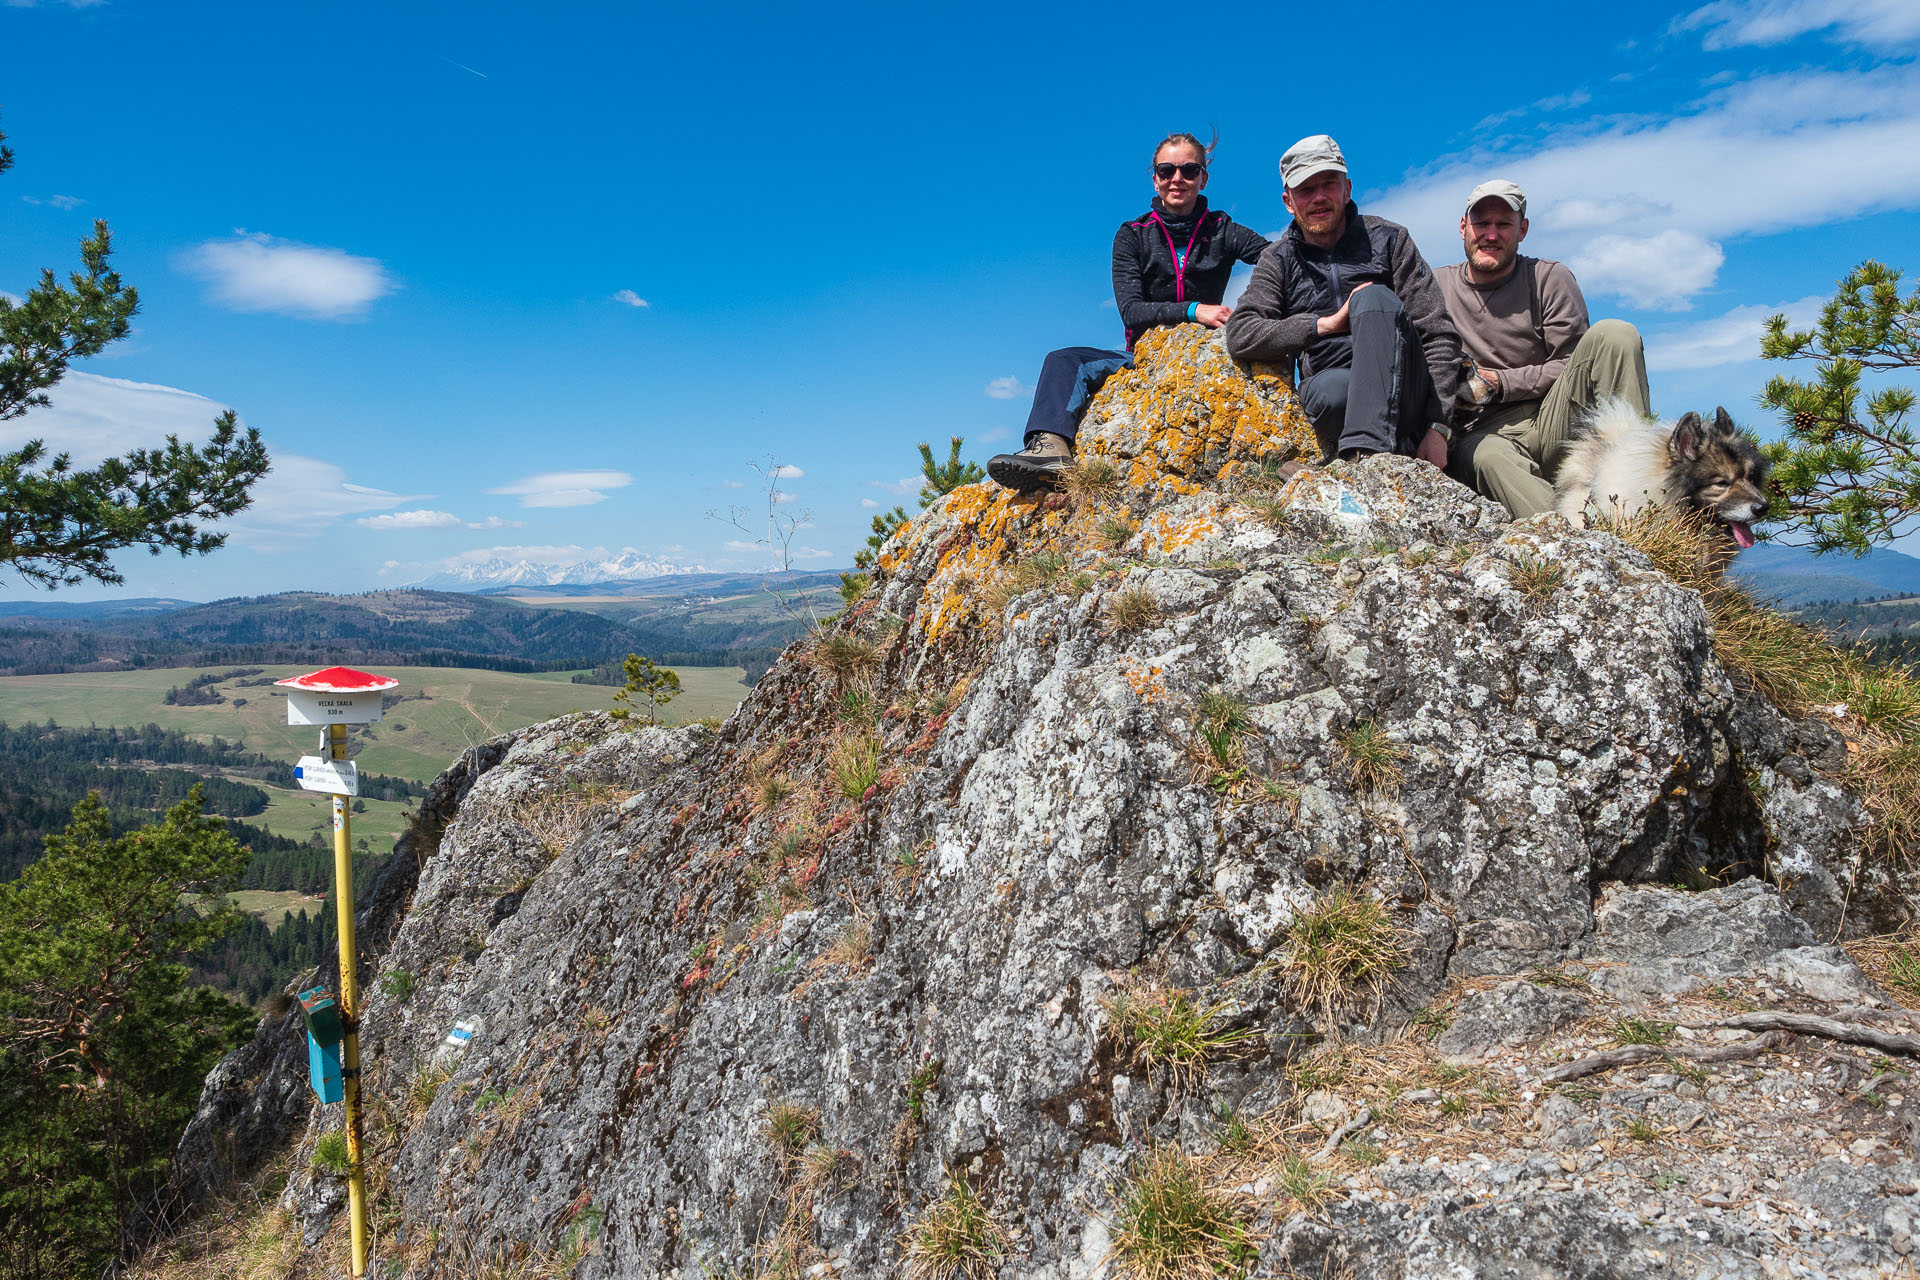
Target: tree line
x=46, y=770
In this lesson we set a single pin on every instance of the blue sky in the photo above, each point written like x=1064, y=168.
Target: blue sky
x=541, y=282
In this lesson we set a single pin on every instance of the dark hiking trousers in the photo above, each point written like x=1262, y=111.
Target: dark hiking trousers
x=1384, y=401
x=1068, y=379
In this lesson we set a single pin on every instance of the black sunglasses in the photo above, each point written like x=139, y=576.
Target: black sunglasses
x=1190, y=170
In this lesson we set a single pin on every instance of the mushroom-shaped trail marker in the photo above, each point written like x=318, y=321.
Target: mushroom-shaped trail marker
x=335, y=698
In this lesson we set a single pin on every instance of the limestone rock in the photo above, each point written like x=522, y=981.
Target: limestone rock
x=1079, y=766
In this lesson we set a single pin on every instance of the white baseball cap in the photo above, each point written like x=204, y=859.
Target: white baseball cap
x=1309, y=156
x=1516, y=198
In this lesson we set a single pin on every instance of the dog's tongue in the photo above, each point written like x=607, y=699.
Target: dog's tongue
x=1742, y=534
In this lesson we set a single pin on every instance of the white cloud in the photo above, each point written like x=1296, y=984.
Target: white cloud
x=991, y=435
x=902, y=487
x=732, y=484
x=299, y=500
x=787, y=471
x=811, y=553
x=57, y=202
x=495, y=522
x=565, y=488
x=734, y=544
x=1729, y=23
x=93, y=418
x=253, y=272
x=1007, y=388
x=1725, y=339
x=782, y=496
x=1557, y=102
x=412, y=520
x=868, y=504
x=1716, y=172
x=1663, y=270
x=631, y=298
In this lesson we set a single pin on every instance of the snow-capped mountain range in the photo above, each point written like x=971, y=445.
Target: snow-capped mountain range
x=501, y=571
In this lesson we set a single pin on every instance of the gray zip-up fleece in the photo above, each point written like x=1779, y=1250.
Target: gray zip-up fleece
x=1294, y=284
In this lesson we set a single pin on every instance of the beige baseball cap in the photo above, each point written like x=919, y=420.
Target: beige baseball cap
x=1516, y=198
x=1309, y=156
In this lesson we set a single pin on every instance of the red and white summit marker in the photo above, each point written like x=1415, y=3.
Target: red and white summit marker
x=336, y=695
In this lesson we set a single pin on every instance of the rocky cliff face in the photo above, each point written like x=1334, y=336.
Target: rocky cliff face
x=1302, y=838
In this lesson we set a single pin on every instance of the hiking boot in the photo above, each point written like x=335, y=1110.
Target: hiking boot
x=1038, y=466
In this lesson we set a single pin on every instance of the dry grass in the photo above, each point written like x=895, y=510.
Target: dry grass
x=1134, y=609
x=1373, y=758
x=1170, y=1224
x=771, y=790
x=845, y=656
x=558, y=817
x=1877, y=705
x=1091, y=479
x=1893, y=961
x=241, y=1235
x=1339, y=947
x=956, y=1236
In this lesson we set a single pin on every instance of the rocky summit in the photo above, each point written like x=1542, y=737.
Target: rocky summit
x=1198, y=871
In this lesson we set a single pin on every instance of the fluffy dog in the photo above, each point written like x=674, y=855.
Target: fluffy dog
x=1621, y=463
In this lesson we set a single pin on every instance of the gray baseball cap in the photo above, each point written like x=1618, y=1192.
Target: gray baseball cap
x=1310, y=156
x=1512, y=194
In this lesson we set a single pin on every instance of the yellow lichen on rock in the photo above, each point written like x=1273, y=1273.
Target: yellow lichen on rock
x=1187, y=409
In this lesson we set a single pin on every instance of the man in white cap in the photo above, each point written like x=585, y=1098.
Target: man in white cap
x=1351, y=299
x=1537, y=366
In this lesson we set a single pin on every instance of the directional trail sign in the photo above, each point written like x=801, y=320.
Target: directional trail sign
x=337, y=695
x=336, y=777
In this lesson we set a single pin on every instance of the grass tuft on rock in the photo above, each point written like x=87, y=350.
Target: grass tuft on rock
x=791, y=1126
x=1535, y=578
x=1134, y=609
x=854, y=764
x=1091, y=479
x=956, y=1237
x=1115, y=530
x=1170, y=1225
x=1338, y=947
x=1373, y=758
x=844, y=656
x=1171, y=1030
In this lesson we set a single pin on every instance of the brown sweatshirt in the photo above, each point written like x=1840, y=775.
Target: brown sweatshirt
x=1525, y=326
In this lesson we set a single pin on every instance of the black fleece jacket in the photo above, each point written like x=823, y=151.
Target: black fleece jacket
x=1294, y=284
x=1149, y=287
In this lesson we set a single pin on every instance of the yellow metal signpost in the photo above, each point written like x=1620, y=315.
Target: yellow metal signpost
x=335, y=698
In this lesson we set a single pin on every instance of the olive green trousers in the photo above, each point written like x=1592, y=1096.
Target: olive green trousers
x=1514, y=451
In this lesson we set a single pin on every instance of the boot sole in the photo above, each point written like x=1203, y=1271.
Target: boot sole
x=1014, y=471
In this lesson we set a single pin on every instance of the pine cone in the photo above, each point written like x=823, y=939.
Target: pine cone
x=1804, y=421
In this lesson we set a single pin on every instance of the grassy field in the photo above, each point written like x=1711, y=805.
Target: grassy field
x=299, y=814
x=275, y=905
x=446, y=710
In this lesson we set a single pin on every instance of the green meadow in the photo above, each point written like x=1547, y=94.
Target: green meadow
x=444, y=710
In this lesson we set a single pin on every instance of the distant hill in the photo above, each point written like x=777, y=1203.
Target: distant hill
x=89, y=608
x=708, y=620
x=1796, y=577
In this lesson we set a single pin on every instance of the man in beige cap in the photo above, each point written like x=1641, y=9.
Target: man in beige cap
x=1537, y=366
x=1351, y=299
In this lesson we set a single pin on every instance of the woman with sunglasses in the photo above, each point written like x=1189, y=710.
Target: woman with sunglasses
x=1170, y=265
